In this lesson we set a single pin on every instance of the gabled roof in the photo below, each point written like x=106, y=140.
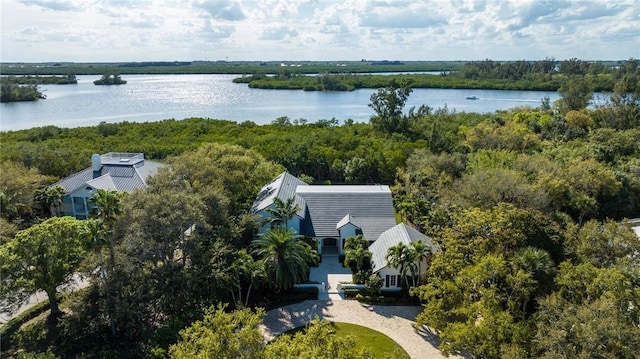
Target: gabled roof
x=103, y=182
x=119, y=177
x=283, y=187
x=329, y=205
x=346, y=220
x=400, y=233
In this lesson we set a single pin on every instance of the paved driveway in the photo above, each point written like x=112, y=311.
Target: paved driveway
x=394, y=321
x=397, y=322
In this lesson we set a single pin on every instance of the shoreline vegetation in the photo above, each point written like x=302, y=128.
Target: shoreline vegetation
x=541, y=75
x=13, y=91
x=110, y=79
x=25, y=88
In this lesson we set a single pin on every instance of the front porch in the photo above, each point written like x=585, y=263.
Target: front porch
x=330, y=246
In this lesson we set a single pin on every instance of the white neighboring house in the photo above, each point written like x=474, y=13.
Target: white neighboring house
x=331, y=213
x=400, y=233
x=122, y=172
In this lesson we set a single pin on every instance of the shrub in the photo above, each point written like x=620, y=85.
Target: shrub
x=350, y=293
x=373, y=284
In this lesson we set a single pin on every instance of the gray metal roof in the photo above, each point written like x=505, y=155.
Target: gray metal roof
x=400, y=233
x=284, y=187
x=121, y=177
x=370, y=207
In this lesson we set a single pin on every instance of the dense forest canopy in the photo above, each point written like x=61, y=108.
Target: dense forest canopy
x=525, y=204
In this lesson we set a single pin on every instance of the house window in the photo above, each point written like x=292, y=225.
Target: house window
x=79, y=206
x=392, y=281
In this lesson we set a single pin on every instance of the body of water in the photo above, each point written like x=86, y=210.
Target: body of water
x=148, y=98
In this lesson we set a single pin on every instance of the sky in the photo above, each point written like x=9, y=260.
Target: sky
x=317, y=30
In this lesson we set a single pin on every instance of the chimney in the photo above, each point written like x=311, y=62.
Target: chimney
x=96, y=165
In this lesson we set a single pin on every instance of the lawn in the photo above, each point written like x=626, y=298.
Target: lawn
x=381, y=345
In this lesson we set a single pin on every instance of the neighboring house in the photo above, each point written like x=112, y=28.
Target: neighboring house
x=400, y=233
x=123, y=172
x=329, y=214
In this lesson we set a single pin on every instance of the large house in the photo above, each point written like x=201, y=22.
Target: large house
x=331, y=213
x=122, y=172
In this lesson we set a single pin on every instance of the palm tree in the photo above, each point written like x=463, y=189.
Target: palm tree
x=96, y=234
x=533, y=260
x=357, y=256
x=536, y=262
x=249, y=269
x=283, y=211
x=285, y=255
x=403, y=259
x=354, y=242
x=422, y=251
x=106, y=206
x=50, y=198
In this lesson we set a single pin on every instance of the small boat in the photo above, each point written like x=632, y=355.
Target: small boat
x=472, y=98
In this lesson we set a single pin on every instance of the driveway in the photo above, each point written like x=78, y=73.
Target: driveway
x=397, y=322
x=330, y=272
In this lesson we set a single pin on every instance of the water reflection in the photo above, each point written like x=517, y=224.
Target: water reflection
x=157, y=97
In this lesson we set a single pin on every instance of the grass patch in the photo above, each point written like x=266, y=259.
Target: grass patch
x=380, y=344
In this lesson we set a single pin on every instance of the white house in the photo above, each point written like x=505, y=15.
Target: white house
x=400, y=233
x=123, y=172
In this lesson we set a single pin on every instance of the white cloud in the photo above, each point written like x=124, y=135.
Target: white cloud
x=144, y=30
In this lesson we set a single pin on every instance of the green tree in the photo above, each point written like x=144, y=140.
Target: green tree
x=247, y=270
x=591, y=184
x=285, y=255
x=95, y=235
x=404, y=259
x=357, y=259
x=575, y=94
x=222, y=335
x=423, y=252
x=50, y=200
x=106, y=205
x=42, y=257
x=18, y=184
x=283, y=211
x=388, y=103
x=602, y=244
x=373, y=284
x=318, y=341
x=594, y=310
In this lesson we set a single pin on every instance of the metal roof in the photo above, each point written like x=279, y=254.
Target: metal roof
x=400, y=233
x=284, y=187
x=371, y=206
x=123, y=177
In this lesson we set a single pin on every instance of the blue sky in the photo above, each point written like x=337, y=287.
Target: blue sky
x=185, y=30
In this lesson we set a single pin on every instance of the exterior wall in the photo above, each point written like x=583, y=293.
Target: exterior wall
x=392, y=271
x=348, y=230
x=392, y=283
x=75, y=203
x=265, y=216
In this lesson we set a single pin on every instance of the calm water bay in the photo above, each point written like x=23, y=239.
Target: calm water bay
x=148, y=98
